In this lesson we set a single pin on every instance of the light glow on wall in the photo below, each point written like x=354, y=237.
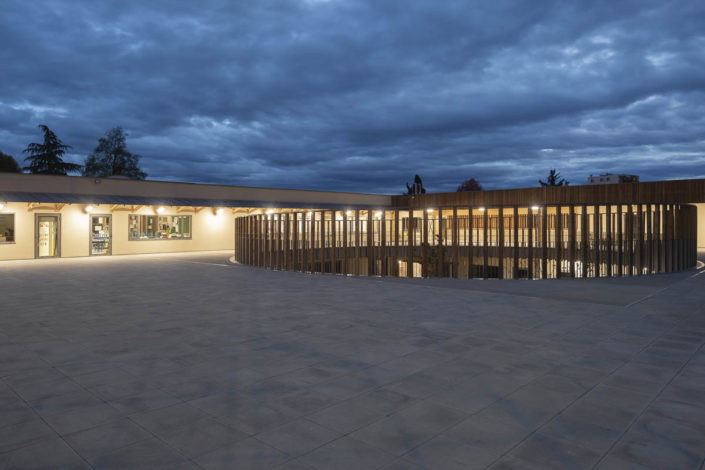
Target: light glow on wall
x=89, y=208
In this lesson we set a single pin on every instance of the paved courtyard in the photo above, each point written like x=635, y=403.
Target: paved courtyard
x=186, y=362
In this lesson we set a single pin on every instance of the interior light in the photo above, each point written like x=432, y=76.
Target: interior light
x=481, y=209
x=2, y=205
x=89, y=208
x=219, y=210
x=429, y=210
x=378, y=214
x=160, y=210
x=270, y=211
x=349, y=213
x=534, y=208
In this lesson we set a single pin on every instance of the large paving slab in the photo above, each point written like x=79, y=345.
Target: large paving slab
x=186, y=361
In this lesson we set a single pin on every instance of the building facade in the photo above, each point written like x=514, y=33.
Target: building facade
x=532, y=233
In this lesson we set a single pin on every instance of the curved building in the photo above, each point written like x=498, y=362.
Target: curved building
x=534, y=233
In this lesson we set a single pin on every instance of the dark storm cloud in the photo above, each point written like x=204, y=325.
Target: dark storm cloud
x=351, y=95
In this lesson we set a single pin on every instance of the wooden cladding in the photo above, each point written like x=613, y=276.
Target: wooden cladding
x=655, y=192
x=506, y=242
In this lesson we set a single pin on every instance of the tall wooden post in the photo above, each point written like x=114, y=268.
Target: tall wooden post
x=500, y=243
x=485, y=244
x=530, y=221
x=558, y=229
x=630, y=240
x=620, y=242
x=515, y=243
x=410, y=244
x=395, y=263
x=544, y=242
x=571, y=238
x=454, y=231
x=383, y=249
x=471, y=243
x=598, y=236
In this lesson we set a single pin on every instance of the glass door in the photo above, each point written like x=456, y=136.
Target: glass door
x=101, y=235
x=48, y=241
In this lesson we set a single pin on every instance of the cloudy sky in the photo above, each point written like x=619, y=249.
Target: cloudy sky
x=361, y=95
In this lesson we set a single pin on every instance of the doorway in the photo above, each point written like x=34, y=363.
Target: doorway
x=101, y=235
x=48, y=236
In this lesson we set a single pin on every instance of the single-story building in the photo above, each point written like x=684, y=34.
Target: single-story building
x=533, y=233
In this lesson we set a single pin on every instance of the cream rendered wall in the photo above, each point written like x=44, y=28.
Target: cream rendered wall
x=701, y=225
x=210, y=231
x=23, y=247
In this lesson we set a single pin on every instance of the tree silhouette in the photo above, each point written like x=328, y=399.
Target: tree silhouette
x=46, y=158
x=470, y=185
x=8, y=164
x=111, y=157
x=554, y=179
x=416, y=187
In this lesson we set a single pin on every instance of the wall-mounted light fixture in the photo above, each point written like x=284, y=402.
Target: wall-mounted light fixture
x=349, y=213
x=481, y=209
x=160, y=210
x=270, y=211
x=89, y=209
x=534, y=208
x=218, y=211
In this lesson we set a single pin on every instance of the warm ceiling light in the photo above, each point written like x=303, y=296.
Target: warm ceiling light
x=270, y=211
x=349, y=213
x=378, y=214
x=89, y=208
x=429, y=210
x=534, y=208
x=219, y=210
x=160, y=210
x=481, y=209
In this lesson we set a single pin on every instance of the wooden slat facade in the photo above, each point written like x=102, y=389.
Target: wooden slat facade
x=549, y=241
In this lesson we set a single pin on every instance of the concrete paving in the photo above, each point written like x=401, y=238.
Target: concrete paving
x=184, y=361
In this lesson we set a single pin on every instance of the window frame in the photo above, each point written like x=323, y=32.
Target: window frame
x=131, y=239
x=14, y=228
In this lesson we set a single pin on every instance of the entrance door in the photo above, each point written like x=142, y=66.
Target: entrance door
x=48, y=241
x=101, y=235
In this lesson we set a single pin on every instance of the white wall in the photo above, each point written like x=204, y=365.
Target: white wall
x=209, y=231
x=701, y=225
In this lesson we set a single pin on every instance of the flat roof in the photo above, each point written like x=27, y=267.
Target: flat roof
x=83, y=190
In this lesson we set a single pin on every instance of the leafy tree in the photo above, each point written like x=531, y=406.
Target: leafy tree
x=416, y=187
x=470, y=185
x=628, y=179
x=111, y=157
x=8, y=164
x=554, y=179
x=46, y=158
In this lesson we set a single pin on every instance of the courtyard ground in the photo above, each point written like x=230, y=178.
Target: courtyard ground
x=185, y=361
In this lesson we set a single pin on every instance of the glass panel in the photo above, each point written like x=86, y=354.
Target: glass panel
x=163, y=227
x=48, y=231
x=100, y=235
x=7, y=228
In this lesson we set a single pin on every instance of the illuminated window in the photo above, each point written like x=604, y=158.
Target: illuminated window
x=159, y=227
x=7, y=228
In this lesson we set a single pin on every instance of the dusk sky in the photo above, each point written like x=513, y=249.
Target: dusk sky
x=361, y=95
